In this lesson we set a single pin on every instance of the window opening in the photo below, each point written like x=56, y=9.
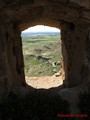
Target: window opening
x=42, y=56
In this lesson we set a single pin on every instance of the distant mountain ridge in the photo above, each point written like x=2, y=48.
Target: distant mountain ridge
x=38, y=33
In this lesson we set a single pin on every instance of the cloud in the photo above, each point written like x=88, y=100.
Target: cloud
x=41, y=28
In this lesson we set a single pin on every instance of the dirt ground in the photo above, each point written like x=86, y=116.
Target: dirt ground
x=44, y=81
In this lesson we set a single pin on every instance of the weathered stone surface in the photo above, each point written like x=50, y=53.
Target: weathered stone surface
x=71, y=16
x=72, y=96
x=73, y=53
x=3, y=87
x=83, y=3
x=2, y=68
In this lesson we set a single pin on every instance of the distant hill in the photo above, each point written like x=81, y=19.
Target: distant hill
x=38, y=33
x=42, y=53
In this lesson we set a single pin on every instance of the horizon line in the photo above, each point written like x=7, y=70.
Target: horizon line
x=41, y=32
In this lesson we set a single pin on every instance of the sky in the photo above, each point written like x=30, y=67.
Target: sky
x=41, y=28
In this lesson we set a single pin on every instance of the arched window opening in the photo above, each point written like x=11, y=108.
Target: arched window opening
x=42, y=56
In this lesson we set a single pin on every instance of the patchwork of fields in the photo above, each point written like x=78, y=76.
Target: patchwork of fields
x=42, y=54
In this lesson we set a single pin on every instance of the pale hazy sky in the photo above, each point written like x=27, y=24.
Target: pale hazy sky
x=41, y=28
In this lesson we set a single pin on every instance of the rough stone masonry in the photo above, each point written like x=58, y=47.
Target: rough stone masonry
x=71, y=16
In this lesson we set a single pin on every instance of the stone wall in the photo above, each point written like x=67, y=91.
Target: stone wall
x=11, y=58
x=87, y=55
x=3, y=71
x=73, y=38
x=71, y=16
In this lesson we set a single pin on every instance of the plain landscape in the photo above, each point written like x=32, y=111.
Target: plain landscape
x=42, y=56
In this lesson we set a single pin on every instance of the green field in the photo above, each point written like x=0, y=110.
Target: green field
x=42, y=54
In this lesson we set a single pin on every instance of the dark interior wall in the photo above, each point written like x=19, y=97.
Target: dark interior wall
x=11, y=57
x=72, y=17
x=87, y=55
x=3, y=71
x=74, y=40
